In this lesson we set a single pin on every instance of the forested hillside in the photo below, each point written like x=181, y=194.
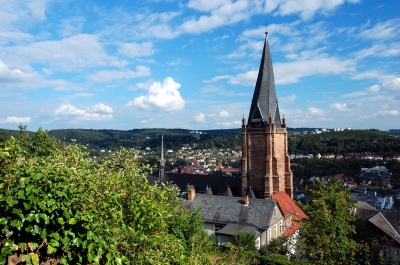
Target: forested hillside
x=345, y=142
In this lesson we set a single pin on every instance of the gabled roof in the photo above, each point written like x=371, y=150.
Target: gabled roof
x=383, y=224
x=290, y=208
x=225, y=210
x=264, y=103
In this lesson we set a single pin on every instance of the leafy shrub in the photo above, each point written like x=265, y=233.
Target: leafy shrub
x=55, y=202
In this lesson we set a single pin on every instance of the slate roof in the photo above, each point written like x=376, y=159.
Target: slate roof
x=290, y=208
x=365, y=210
x=264, y=103
x=387, y=220
x=226, y=209
x=383, y=224
x=232, y=229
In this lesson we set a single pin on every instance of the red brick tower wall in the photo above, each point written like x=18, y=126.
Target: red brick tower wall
x=265, y=161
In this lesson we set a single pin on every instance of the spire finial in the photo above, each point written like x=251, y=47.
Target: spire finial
x=266, y=28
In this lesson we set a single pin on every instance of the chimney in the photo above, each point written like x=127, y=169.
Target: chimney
x=191, y=194
x=246, y=200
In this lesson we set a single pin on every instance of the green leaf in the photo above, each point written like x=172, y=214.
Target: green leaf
x=27, y=206
x=50, y=202
x=17, y=224
x=91, y=257
x=35, y=259
x=51, y=250
x=11, y=202
x=34, y=245
x=109, y=256
x=119, y=261
x=77, y=241
x=8, y=233
x=22, y=246
x=23, y=181
x=21, y=194
x=29, y=189
x=3, y=221
x=63, y=261
x=37, y=218
x=43, y=235
x=30, y=217
x=36, y=230
x=56, y=236
x=45, y=217
x=37, y=176
x=60, y=221
x=72, y=221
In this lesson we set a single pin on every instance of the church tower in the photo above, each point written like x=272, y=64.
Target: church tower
x=265, y=165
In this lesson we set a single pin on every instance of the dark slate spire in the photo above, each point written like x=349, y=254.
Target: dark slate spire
x=264, y=104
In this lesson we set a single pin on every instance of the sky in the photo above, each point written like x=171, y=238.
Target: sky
x=193, y=64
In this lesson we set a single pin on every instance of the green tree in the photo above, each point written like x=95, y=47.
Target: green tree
x=328, y=236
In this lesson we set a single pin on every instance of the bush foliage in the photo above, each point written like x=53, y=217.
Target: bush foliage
x=55, y=202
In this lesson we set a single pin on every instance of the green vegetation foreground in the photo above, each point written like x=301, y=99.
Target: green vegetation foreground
x=56, y=203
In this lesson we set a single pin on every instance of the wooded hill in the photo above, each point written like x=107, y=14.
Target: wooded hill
x=345, y=142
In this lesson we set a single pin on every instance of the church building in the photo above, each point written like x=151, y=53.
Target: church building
x=265, y=163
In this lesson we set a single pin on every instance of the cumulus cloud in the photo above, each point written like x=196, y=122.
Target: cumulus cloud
x=315, y=111
x=386, y=113
x=8, y=75
x=105, y=76
x=14, y=119
x=96, y=113
x=224, y=113
x=374, y=88
x=200, y=118
x=339, y=106
x=163, y=96
x=137, y=49
x=393, y=84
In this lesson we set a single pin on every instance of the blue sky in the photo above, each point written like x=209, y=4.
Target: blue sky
x=193, y=64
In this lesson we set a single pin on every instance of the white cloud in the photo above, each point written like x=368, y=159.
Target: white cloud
x=206, y=5
x=383, y=30
x=101, y=108
x=68, y=54
x=14, y=119
x=315, y=111
x=306, y=8
x=105, y=76
x=292, y=72
x=137, y=49
x=224, y=113
x=96, y=113
x=393, y=84
x=217, y=78
x=339, y=106
x=289, y=99
x=374, y=88
x=386, y=113
x=81, y=95
x=200, y=118
x=8, y=75
x=163, y=96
